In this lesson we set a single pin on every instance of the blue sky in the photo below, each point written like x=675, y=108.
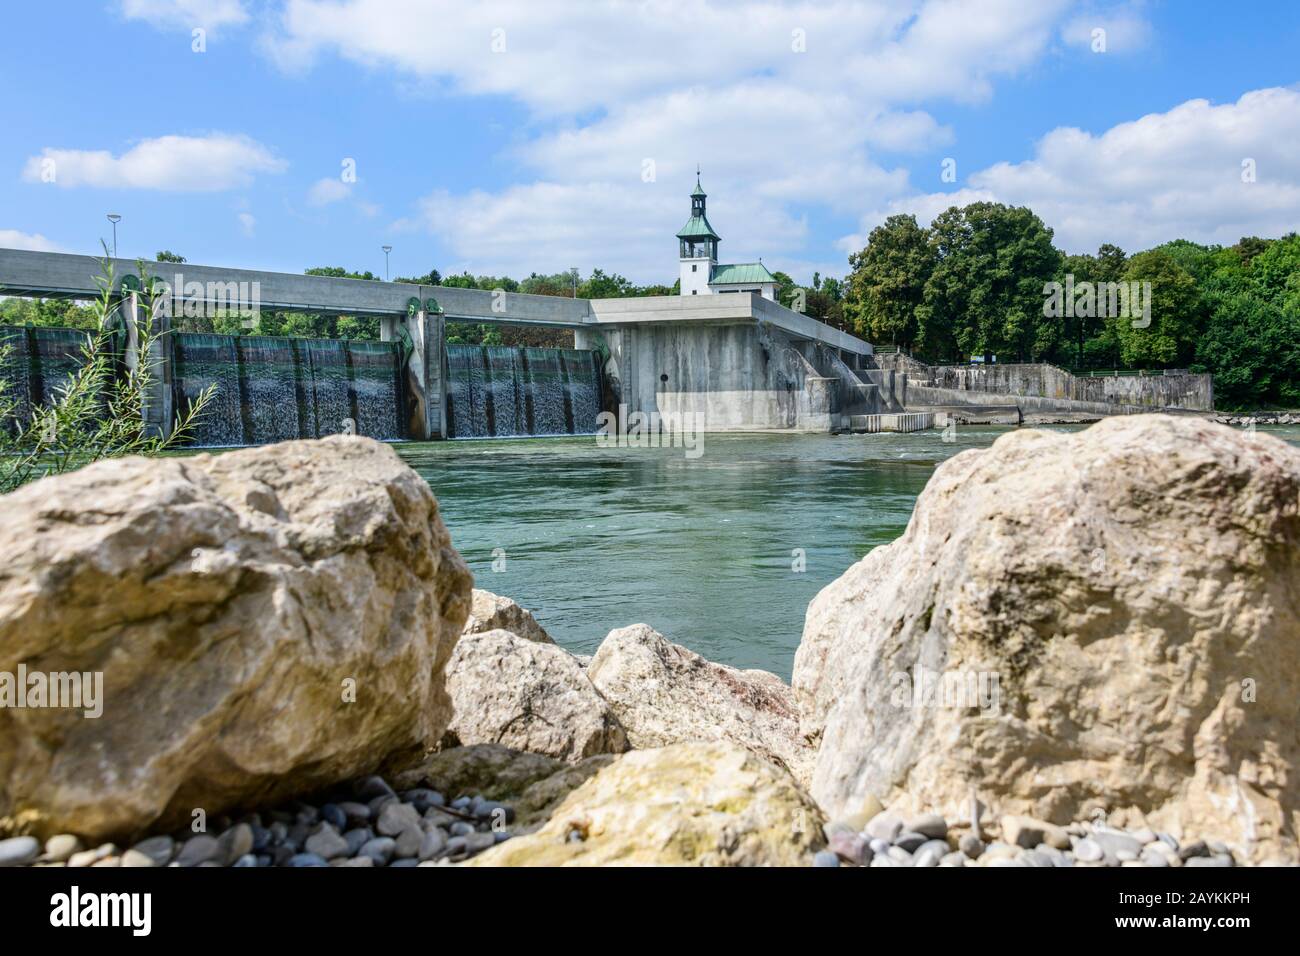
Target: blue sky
x=531, y=136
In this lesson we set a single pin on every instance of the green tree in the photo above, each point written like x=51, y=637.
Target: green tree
x=985, y=294
x=1176, y=313
x=887, y=282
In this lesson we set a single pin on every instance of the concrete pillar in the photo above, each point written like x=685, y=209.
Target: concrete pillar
x=387, y=328
x=425, y=328
x=158, y=406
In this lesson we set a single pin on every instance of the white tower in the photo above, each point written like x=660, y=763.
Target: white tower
x=698, y=248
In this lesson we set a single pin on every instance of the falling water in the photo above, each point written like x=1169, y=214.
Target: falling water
x=499, y=391
x=272, y=388
x=37, y=362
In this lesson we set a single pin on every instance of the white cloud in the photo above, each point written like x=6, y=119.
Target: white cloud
x=248, y=224
x=792, y=106
x=186, y=14
x=1164, y=176
x=35, y=242
x=1120, y=29
x=328, y=190
x=169, y=163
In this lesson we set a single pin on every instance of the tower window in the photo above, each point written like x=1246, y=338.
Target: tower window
x=695, y=292
x=694, y=268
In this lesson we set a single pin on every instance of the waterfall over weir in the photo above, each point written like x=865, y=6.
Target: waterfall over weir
x=39, y=360
x=497, y=391
x=272, y=389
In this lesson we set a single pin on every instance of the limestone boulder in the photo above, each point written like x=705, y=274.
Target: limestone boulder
x=526, y=695
x=492, y=612
x=692, y=804
x=265, y=622
x=664, y=694
x=1105, y=621
x=532, y=785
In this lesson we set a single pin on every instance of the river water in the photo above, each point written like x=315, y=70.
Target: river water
x=704, y=550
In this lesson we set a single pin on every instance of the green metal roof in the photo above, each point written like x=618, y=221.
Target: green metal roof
x=699, y=190
x=741, y=272
x=697, y=227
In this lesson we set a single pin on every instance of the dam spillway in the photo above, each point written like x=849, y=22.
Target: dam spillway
x=272, y=388
x=278, y=388
x=499, y=391
x=36, y=362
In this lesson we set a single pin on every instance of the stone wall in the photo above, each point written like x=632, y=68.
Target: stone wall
x=1186, y=391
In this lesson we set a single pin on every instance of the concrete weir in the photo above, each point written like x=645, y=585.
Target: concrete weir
x=735, y=361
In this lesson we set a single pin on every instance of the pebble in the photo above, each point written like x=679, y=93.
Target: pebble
x=1221, y=859
x=884, y=826
x=1154, y=858
x=335, y=816
x=380, y=849
x=408, y=842
x=199, y=849
x=327, y=843
x=929, y=824
x=409, y=861
x=1088, y=851
x=971, y=845
x=234, y=843
x=1194, y=849
x=1027, y=832
x=879, y=847
x=911, y=842
x=246, y=861
x=396, y=817
x=19, y=851
x=1116, y=841
x=851, y=847
x=899, y=855
x=433, y=844
x=133, y=858
x=826, y=858
x=306, y=860
x=358, y=838
x=59, y=848
x=358, y=814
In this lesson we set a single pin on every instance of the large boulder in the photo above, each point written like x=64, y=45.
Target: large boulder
x=664, y=694
x=526, y=695
x=265, y=621
x=1112, y=621
x=697, y=804
x=492, y=612
x=532, y=785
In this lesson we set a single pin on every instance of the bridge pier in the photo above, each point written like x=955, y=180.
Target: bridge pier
x=157, y=406
x=423, y=333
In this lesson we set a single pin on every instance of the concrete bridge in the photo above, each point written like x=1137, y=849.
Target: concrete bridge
x=741, y=361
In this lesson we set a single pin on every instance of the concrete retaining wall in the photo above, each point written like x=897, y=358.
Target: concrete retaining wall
x=739, y=377
x=1186, y=391
x=907, y=422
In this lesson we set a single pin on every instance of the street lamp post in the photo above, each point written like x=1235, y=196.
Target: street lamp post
x=387, y=250
x=114, y=218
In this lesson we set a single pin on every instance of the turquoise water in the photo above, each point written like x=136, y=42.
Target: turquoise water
x=703, y=550
x=593, y=538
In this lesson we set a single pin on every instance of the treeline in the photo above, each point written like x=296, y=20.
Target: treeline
x=977, y=282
